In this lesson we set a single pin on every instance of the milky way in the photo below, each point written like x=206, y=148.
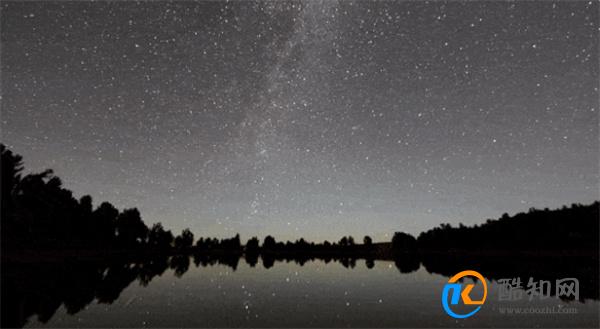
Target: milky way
x=310, y=118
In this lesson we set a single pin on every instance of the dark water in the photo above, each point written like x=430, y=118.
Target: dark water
x=313, y=295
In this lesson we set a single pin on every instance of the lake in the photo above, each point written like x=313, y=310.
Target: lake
x=316, y=294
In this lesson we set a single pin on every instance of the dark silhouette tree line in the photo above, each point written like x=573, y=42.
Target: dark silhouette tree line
x=346, y=251
x=38, y=213
x=573, y=228
x=345, y=245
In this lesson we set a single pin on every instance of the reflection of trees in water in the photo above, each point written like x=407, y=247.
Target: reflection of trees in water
x=408, y=262
x=540, y=267
x=222, y=258
x=40, y=289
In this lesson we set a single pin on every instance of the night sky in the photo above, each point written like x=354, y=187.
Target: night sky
x=307, y=119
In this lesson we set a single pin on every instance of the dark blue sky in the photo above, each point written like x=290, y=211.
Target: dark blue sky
x=314, y=119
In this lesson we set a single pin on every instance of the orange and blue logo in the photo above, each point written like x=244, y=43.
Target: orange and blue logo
x=462, y=293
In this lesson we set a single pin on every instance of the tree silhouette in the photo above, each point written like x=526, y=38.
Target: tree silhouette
x=12, y=166
x=252, y=251
x=131, y=230
x=37, y=212
x=568, y=228
x=269, y=243
x=252, y=246
x=404, y=242
x=185, y=240
x=104, y=221
x=158, y=237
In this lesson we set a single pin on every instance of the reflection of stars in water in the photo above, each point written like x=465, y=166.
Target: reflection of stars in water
x=247, y=303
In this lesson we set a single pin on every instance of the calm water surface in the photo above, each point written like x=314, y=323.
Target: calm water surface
x=313, y=295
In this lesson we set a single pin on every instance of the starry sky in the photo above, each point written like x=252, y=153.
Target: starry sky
x=310, y=119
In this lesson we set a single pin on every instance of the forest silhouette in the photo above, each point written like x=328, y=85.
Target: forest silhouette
x=59, y=250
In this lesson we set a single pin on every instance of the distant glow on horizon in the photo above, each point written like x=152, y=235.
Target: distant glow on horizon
x=313, y=119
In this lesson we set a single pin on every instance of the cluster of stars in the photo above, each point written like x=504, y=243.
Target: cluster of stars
x=307, y=118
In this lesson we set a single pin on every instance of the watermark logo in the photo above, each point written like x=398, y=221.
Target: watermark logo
x=513, y=289
x=455, y=291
